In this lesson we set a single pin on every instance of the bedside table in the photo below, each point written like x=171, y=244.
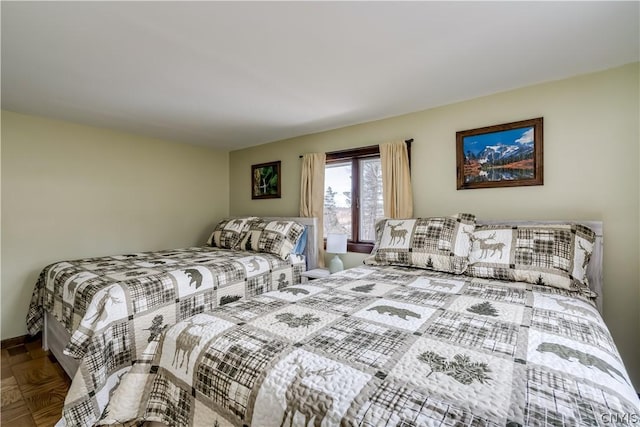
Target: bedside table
x=316, y=273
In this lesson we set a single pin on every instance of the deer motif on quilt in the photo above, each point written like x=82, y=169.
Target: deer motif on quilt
x=486, y=247
x=397, y=235
x=587, y=256
x=185, y=343
x=309, y=402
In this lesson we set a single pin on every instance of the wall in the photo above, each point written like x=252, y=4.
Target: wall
x=71, y=191
x=591, y=152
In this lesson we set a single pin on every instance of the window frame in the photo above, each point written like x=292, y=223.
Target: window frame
x=355, y=155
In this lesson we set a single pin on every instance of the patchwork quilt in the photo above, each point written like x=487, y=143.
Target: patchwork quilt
x=384, y=346
x=114, y=306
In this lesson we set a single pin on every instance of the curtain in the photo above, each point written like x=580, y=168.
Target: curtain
x=396, y=180
x=312, y=195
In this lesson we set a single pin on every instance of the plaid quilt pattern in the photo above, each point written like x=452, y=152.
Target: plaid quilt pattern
x=436, y=243
x=514, y=355
x=229, y=232
x=273, y=237
x=114, y=306
x=547, y=255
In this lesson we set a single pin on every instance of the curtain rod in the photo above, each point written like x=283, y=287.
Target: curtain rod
x=408, y=141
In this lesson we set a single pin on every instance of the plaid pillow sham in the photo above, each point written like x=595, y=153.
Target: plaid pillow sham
x=547, y=255
x=274, y=237
x=436, y=243
x=229, y=232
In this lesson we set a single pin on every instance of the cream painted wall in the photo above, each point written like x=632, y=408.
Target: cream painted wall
x=591, y=171
x=71, y=191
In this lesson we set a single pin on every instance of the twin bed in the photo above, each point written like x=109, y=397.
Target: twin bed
x=404, y=340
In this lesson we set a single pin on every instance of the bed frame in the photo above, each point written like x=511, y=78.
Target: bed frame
x=55, y=337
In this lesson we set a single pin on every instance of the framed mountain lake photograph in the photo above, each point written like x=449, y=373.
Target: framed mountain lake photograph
x=507, y=155
x=265, y=180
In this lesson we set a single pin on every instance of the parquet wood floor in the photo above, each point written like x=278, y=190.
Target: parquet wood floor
x=33, y=386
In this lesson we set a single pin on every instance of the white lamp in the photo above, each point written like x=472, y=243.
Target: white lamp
x=336, y=244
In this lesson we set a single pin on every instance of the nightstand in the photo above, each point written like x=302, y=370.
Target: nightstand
x=316, y=273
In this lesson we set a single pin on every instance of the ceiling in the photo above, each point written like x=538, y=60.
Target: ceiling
x=236, y=74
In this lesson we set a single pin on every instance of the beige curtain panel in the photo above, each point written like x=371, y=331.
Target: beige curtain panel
x=396, y=180
x=312, y=194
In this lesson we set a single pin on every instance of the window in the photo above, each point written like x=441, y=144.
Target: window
x=353, y=196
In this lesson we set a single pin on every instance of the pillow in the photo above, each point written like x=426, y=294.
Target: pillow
x=301, y=245
x=229, y=232
x=437, y=243
x=274, y=237
x=547, y=255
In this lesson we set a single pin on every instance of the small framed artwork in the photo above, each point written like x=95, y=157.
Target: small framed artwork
x=507, y=155
x=265, y=180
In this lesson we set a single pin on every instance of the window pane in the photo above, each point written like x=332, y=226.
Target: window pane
x=371, y=206
x=337, y=198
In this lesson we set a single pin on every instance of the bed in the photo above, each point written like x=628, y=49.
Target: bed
x=98, y=314
x=397, y=345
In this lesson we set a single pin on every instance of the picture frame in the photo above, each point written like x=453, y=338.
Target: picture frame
x=505, y=155
x=265, y=180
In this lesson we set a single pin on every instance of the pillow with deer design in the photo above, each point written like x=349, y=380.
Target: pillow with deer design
x=435, y=243
x=547, y=255
x=229, y=232
x=278, y=237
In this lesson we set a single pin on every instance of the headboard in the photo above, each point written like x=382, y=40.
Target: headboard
x=311, y=250
x=594, y=269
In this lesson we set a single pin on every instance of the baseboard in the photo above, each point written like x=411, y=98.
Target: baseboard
x=12, y=342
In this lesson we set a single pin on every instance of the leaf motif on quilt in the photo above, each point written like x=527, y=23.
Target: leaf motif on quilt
x=585, y=359
x=484, y=308
x=402, y=313
x=293, y=321
x=461, y=369
x=195, y=277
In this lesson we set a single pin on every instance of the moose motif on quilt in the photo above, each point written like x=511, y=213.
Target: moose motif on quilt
x=397, y=235
x=187, y=340
x=311, y=403
x=486, y=247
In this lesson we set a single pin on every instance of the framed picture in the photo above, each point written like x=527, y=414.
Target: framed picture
x=265, y=180
x=507, y=155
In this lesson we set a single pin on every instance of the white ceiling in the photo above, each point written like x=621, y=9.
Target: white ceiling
x=236, y=74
